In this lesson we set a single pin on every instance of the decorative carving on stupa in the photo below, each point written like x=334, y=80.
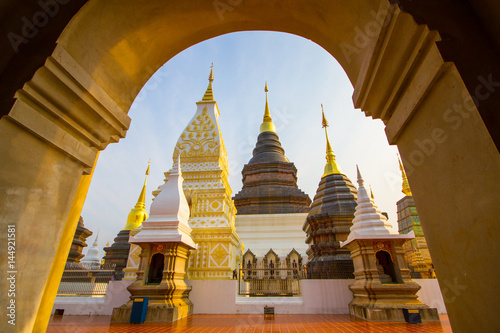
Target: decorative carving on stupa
x=416, y=251
x=121, y=252
x=205, y=170
x=269, y=178
x=329, y=220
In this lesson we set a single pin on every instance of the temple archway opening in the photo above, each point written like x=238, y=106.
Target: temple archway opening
x=165, y=104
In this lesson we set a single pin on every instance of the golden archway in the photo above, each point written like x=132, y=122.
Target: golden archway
x=77, y=103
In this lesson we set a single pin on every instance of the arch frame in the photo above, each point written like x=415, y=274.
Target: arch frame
x=76, y=104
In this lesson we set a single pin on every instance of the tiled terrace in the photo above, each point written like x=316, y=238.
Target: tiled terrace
x=246, y=323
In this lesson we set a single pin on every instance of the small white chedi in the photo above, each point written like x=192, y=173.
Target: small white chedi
x=383, y=286
x=368, y=220
x=91, y=259
x=165, y=241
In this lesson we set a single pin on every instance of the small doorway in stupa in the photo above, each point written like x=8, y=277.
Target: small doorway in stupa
x=156, y=269
x=385, y=266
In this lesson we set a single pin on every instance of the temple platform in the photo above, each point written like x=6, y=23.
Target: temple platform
x=247, y=323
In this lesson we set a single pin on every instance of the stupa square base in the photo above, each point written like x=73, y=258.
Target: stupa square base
x=157, y=312
x=380, y=313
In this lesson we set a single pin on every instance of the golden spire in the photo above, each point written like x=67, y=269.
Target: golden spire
x=209, y=95
x=371, y=193
x=406, y=186
x=267, y=124
x=331, y=166
x=138, y=214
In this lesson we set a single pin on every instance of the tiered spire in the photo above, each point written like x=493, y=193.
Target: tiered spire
x=138, y=214
x=331, y=166
x=406, y=186
x=267, y=124
x=96, y=239
x=330, y=217
x=368, y=219
x=209, y=95
x=269, y=178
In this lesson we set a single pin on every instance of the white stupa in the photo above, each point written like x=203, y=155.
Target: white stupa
x=169, y=214
x=91, y=259
x=165, y=241
x=369, y=222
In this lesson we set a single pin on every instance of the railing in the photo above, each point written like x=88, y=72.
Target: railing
x=79, y=281
x=269, y=282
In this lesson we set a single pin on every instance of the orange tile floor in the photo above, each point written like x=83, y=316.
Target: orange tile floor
x=246, y=323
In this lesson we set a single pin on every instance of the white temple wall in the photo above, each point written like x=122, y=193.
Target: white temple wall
x=213, y=296
x=430, y=294
x=116, y=295
x=281, y=232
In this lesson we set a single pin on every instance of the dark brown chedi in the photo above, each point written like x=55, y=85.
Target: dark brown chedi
x=328, y=223
x=118, y=252
x=270, y=181
x=81, y=235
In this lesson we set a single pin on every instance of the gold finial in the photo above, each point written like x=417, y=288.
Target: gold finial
x=211, y=76
x=371, y=193
x=331, y=166
x=324, y=122
x=209, y=95
x=406, y=186
x=138, y=214
x=147, y=170
x=267, y=124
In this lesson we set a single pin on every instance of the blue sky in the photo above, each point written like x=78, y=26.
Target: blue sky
x=300, y=74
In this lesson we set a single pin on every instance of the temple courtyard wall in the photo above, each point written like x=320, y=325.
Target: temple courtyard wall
x=221, y=297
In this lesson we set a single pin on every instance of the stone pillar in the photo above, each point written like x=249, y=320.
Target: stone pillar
x=450, y=159
x=50, y=138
